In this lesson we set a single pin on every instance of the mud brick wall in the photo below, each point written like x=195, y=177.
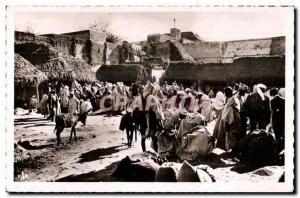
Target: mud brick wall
x=84, y=35
x=267, y=70
x=82, y=49
x=61, y=43
x=97, y=40
x=158, y=50
x=156, y=38
x=199, y=50
x=175, y=33
x=111, y=53
x=278, y=46
x=78, y=48
x=247, y=48
x=213, y=51
x=89, y=46
x=97, y=37
x=64, y=48
x=42, y=39
x=24, y=37
x=250, y=70
x=97, y=53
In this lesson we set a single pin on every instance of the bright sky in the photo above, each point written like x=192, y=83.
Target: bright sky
x=210, y=25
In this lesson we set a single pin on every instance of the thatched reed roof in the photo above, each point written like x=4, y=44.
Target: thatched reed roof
x=68, y=68
x=57, y=69
x=36, y=52
x=83, y=71
x=26, y=74
x=127, y=73
x=55, y=65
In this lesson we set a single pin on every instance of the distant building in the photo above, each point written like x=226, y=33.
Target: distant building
x=209, y=51
x=176, y=45
x=90, y=46
x=86, y=45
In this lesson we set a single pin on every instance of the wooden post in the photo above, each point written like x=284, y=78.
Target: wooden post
x=37, y=95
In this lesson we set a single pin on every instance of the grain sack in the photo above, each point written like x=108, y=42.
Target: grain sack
x=168, y=172
x=195, y=145
x=192, y=120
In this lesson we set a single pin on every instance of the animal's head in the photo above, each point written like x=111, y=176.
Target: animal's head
x=82, y=118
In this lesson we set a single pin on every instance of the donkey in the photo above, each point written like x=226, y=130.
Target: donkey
x=68, y=120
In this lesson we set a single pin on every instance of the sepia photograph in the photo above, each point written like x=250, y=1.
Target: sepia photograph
x=171, y=99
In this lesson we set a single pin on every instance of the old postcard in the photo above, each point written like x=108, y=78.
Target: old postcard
x=150, y=99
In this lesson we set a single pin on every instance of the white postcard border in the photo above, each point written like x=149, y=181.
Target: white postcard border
x=12, y=186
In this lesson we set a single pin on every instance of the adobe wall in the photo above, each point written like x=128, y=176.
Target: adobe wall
x=82, y=50
x=267, y=70
x=156, y=38
x=200, y=50
x=24, y=37
x=213, y=51
x=278, y=46
x=125, y=53
x=42, y=39
x=111, y=53
x=251, y=70
x=78, y=50
x=97, y=53
x=176, y=33
x=97, y=37
x=61, y=43
x=158, y=50
x=136, y=52
x=113, y=57
x=84, y=35
x=247, y=48
x=29, y=37
x=88, y=46
x=77, y=44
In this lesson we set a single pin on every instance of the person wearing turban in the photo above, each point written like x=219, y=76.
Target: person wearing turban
x=257, y=107
x=241, y=97
x=228, y=126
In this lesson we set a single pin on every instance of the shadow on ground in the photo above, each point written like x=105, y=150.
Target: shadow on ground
x=35, y=125
x=94, y=176
x=98, y=154
x=28, y=146
x=33, y=120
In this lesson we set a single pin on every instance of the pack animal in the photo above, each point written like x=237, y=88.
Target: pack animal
x=68, y=120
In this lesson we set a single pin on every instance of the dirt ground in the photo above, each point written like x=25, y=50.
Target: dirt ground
x=101, y=145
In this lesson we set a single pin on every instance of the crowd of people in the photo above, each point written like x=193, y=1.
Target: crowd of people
x=237, y=110
x=63, y=99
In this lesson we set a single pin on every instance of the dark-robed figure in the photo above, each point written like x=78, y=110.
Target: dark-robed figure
x=257, y=107
x=145, y=114
x=52, y=101
x=278, y=116
x=228, y=126
x=241, y=96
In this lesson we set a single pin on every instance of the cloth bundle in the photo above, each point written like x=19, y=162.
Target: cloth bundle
x=192, y=120
x=176, y=172
x=195, y=145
